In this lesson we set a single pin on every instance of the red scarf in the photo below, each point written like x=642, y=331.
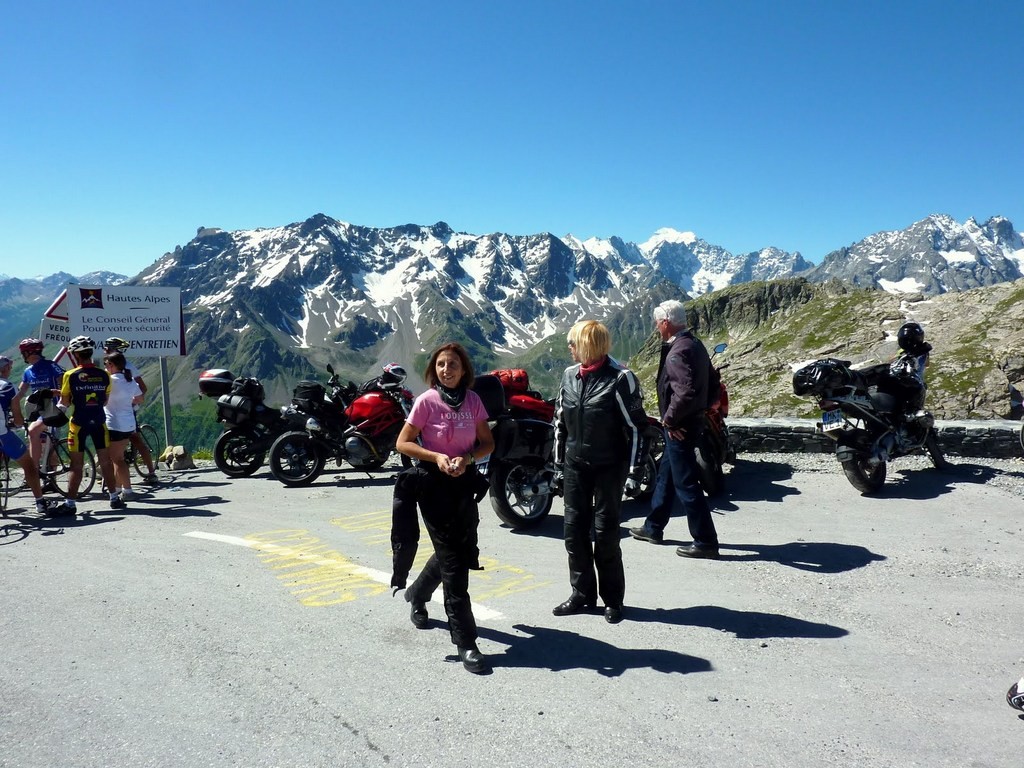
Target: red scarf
x=586, y=370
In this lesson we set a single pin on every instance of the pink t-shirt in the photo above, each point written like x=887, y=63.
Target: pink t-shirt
x=444, y=429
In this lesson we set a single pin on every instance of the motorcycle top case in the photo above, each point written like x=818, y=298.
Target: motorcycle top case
x=523, y=439
x=234, y=409
x=531, y=407
x=215, y=382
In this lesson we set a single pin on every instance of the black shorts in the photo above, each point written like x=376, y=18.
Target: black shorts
x=116, y=437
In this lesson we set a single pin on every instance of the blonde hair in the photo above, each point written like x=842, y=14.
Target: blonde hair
x=591, y=340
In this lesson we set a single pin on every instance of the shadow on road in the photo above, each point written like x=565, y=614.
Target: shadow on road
x=742, y=624
x=817, y=556
x=551, y=526
x=17, y=528
x=558, y=650
x=755, y=481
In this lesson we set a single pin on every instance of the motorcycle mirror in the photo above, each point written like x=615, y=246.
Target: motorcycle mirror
x=330, y=369
x=720, y=348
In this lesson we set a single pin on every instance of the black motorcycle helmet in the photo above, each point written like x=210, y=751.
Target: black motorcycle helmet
x=910, y=336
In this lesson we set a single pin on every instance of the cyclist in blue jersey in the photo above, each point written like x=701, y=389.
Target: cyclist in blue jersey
x=11, y=443
x=40, y=373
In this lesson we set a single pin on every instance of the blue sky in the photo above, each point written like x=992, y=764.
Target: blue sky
x=801, y=125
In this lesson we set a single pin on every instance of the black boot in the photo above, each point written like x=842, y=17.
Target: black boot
x=418, y=613
x=575, y=604
x=473, y=660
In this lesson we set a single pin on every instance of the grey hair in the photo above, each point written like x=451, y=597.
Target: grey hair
x=674, y=312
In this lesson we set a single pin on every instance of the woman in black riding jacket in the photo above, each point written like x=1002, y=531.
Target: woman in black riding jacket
x=599, y=426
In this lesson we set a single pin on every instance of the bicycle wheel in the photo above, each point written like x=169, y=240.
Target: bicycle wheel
x=63, y=469
x=149, y=437
x=5, y=483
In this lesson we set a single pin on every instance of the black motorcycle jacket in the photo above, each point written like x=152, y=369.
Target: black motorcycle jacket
x=600, y=418
x=683, y=383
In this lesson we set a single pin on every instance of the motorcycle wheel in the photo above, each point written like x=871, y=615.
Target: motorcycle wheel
x=648, y=480
x=864, y=477
x=712, y=478
x=295, y=459
x=931, y=444
x=513, y=498
x=233, y=454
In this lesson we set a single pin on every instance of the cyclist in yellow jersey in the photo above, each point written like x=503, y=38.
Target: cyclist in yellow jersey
x=85, y=388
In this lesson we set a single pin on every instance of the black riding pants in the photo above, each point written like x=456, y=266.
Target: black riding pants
x=593, y=502
x=451, y=518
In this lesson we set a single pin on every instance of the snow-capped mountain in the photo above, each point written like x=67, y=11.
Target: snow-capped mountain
x=932, y=256
x=327, y=284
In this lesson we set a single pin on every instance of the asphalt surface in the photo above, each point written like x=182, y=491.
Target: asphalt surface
x=227, y=622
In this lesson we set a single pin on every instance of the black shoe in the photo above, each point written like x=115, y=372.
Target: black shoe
x=692, y=550
x=62, y=510
x=612, y=614
x=418, y=615
x=574, y=605
x=473, y=660
x=646, y=534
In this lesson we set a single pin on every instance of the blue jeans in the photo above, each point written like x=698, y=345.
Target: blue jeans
x=678, y=483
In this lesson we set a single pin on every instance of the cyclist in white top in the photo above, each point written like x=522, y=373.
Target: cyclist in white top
x=125, y=394
x=116, y=344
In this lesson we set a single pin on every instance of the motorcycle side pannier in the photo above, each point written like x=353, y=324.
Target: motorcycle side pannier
x=234, y=409
x=523, y=438
x=216, y=382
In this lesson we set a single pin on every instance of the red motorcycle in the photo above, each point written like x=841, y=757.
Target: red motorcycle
x=714, y=448
x=347, y=423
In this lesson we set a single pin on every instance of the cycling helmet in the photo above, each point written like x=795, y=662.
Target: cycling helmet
x=393, y=375
x=116, y=344
x=1015, y=696
x=30, y=347
x=81, y=344
x=910, y=336
x=5, y=361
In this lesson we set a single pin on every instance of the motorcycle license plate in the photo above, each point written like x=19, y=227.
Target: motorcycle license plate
x=831, y=420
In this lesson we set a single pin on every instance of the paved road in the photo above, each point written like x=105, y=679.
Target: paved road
x=239, y=623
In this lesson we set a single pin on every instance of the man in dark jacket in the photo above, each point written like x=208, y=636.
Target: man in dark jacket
x=682, y=399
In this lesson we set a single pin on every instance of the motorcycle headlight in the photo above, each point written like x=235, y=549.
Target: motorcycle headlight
x=312, y=425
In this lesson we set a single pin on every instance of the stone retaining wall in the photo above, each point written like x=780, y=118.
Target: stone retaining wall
x=993, y=439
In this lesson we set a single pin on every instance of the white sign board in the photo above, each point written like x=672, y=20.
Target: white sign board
x=54, y=328
x=148, y=317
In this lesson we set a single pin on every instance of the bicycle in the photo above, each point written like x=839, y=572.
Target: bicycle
x=134, y=457
x=55, y=465
x=5, y=482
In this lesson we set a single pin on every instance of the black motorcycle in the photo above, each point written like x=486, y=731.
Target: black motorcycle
x=250, y=426
x=521, y=469
x=864, y=411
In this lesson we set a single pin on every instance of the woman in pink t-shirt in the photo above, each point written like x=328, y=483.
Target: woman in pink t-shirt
x=450, y=421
